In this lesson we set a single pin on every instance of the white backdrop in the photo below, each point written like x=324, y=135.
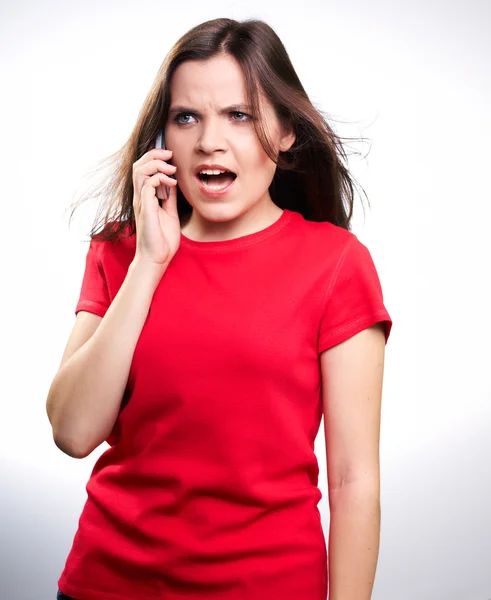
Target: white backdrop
x=413, y=78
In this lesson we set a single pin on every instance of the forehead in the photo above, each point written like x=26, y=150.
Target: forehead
x=212, y=83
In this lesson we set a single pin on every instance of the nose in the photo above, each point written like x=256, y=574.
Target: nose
x=212, y=138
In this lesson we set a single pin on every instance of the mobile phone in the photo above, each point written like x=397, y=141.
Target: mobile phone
x=160, y=143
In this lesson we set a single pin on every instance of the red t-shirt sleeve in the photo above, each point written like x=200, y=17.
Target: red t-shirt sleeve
x=94, y=295
x=354, y=299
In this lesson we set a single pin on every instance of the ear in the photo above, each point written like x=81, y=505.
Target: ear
x=287, y=139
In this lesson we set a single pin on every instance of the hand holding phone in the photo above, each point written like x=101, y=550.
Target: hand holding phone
x=158, y=230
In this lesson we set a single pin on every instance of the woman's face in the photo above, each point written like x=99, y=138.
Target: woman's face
x=210, y=127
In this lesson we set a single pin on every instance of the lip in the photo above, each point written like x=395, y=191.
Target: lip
x=213, y=166
x=214, y=193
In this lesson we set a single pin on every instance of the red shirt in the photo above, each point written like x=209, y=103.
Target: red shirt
x=209, y=488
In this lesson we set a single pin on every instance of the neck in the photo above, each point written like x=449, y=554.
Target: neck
x=202, y=229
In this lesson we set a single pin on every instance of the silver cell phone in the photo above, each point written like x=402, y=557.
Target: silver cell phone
x=160, y=143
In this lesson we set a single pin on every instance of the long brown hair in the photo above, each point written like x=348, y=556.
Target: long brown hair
x=311, y=178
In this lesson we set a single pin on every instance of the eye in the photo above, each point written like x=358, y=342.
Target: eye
x=240, y=116
x=183, y=118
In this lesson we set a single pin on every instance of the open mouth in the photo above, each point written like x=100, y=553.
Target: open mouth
x=217, y=180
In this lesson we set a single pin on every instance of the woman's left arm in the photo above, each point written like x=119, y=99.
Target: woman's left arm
x=352, y=376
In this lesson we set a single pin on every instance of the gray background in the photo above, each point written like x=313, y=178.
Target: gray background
x=413, y=77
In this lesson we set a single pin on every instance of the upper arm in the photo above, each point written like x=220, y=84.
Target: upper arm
x=352, y=375
x=93, y=302
x=84, y=328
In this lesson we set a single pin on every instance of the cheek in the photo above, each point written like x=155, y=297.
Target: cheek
x=175, y=140
x=180, y=151
x=171, y=143
x=250, y=154
x=263, y=165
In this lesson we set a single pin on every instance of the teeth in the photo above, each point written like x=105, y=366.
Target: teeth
x=211, y=172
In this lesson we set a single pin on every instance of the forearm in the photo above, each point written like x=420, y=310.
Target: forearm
x=85, y=396
x=354, y=535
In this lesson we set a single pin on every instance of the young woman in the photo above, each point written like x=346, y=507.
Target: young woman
x=215, y=326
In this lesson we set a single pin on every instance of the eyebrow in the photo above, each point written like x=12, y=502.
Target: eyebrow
x=174, y=110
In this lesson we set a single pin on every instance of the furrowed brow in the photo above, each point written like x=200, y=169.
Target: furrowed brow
x=237, y=108
x=175, y=110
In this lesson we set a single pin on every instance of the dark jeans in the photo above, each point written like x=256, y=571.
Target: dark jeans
x=61, y=596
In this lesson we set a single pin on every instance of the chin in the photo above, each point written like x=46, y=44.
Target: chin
x=219, y=211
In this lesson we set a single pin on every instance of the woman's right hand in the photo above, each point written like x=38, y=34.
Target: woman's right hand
x=158, y=230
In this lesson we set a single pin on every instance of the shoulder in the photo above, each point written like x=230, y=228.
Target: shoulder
x=331, y=252
x=323, y=238
x=117, y=251
x=121, y=238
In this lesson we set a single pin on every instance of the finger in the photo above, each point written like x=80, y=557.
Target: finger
x=166, y=180
x=159, y=153
x=155, y=153
x=170, y=205
x=155, y=166
x=161, y=192
x=158, y=181
x=152, y=183
x=147, y=189
x=148, y=192
x=150, y=169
